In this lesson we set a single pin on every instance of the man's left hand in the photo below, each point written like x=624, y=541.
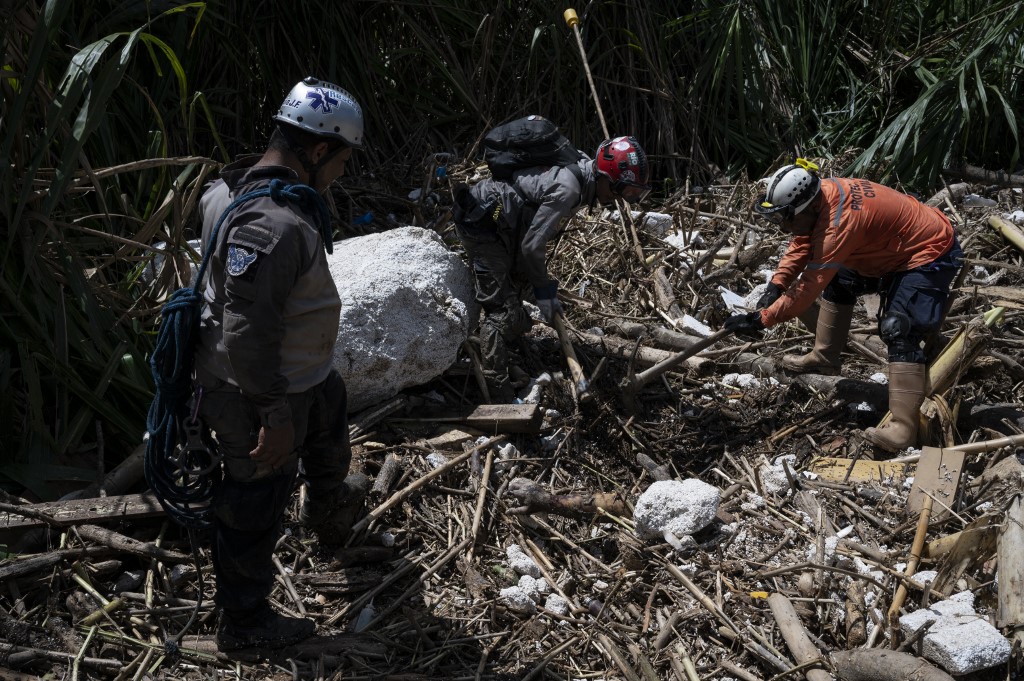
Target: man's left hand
x=274, y=445
x=745, y=323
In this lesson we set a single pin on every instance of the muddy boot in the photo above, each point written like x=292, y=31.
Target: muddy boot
x=500, y=388
x=332, y=520
x=906, y=393
x=829, y=340
x=263, y=628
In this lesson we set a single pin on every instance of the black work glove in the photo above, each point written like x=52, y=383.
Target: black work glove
x=744, y=323
x=771, y=294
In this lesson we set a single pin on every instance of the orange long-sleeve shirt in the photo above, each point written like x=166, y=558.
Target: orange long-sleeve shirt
x=866, y=227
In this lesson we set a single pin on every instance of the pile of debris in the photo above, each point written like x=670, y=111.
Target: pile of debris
x=670, y=505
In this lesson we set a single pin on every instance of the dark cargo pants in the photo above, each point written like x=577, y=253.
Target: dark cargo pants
x=913, y=302
x=505, y=319
x=249, y=503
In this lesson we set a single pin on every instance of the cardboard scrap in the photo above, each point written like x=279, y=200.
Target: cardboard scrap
x=938, y=474
x=835, y=469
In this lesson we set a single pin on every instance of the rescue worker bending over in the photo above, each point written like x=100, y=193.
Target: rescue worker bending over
x=505, y=228
x=269, y=391
x=853, y=237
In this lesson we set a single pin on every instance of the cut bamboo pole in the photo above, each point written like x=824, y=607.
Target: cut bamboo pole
x=796, y=638
x=915, y=558
x=1010, y=231
x=401, y=494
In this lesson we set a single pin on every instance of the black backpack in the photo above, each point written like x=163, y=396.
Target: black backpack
x=527, y=143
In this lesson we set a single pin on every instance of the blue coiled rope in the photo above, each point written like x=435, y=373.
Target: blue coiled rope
x=181, y=475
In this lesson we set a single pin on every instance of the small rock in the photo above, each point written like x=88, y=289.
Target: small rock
x=681, y=507
x=520, y=562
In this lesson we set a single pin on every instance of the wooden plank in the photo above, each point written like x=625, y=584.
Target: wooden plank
x=87, y=511
x=938, y=473
x=1010, y=557
x=489, y=418
x=449, y=436
x=834, y=469
x=1006, y=292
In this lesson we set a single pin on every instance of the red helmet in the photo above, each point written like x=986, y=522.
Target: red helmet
x=624, y=163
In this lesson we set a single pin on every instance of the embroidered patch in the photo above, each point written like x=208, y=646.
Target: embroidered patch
x=239, y=259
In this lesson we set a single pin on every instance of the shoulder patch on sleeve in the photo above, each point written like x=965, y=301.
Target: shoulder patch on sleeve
x=239, y=259
x=254, y=238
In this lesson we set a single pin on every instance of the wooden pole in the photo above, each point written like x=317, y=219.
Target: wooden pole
x=796, y=638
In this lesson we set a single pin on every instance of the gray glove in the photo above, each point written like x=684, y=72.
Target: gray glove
x=549, y=307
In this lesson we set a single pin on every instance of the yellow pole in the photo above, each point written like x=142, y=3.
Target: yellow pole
x=574, y=24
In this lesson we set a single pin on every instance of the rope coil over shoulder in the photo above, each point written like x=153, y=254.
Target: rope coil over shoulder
x=179, y=465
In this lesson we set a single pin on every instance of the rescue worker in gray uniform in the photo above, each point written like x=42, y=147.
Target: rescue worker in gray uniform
x=505, y=228
x=268, y=389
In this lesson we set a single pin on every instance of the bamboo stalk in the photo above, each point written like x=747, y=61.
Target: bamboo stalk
x=915, y=557
x=402, y=494
x=1010, y=231
x=484, y=484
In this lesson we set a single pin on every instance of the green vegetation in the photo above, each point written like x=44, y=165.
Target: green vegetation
x=115, y=114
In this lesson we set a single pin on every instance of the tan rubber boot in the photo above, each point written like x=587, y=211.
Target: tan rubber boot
x=829, y=340
x=906, y=393
x=809, y=317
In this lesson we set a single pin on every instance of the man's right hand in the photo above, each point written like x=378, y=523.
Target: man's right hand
x=771, y=294
x=549, y=307
x=274, y=445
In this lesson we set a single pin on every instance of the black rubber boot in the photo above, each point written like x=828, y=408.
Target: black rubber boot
x=332, y=520
x=264, y=628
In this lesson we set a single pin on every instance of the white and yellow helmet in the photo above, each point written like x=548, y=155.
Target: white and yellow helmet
x=790, y=189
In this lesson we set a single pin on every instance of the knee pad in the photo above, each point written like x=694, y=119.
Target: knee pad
x=893, y=327
x=899, y=335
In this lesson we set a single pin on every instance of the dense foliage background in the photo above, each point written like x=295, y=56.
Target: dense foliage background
x=114, y=114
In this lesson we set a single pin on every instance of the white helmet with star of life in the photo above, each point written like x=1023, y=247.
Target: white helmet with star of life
x=323, y=109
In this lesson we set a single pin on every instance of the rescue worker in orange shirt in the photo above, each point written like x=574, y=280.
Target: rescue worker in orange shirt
x=853, y=237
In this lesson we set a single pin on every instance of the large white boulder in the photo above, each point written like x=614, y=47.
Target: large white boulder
x=405, y=306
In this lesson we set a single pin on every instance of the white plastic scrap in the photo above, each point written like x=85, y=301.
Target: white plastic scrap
x=695, y=325
x=365, y=616
x=550, y=443
x=747, y=381
x=733, y=301
x=436, y=460
x=879, y=377
x=750, y=302
x=535, y=388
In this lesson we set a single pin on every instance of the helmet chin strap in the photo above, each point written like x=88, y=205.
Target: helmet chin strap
x=308, y=165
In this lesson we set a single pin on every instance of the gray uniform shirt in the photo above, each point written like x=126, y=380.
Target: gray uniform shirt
x=270, y=322
x=557, y=195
